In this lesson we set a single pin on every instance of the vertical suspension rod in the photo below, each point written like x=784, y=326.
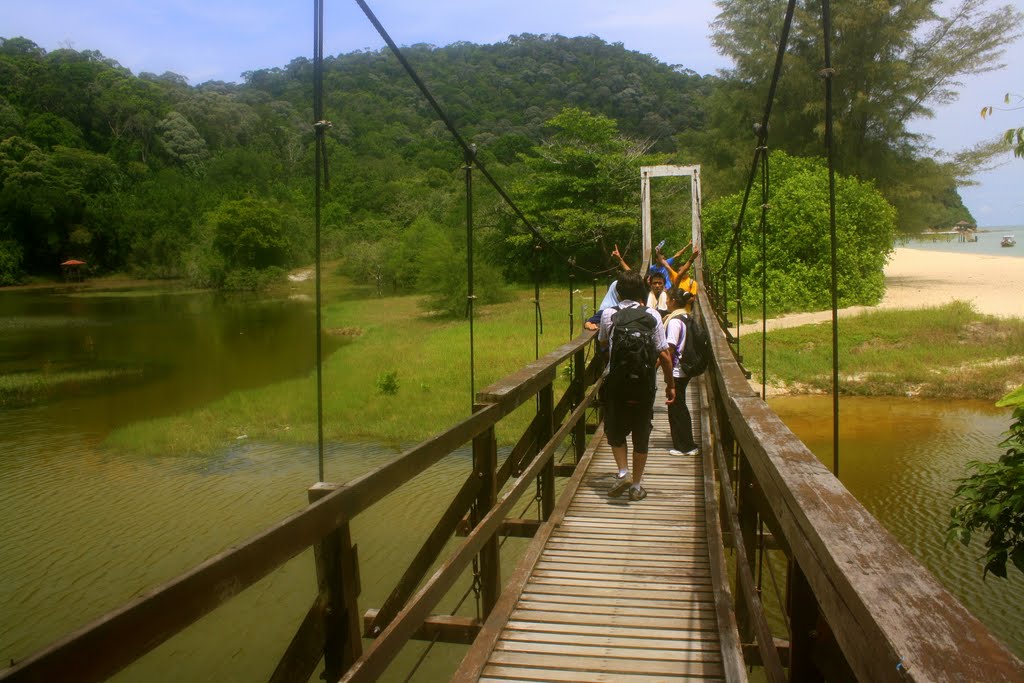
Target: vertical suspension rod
x=470, y=157
x=320, y=128
x=827, y=73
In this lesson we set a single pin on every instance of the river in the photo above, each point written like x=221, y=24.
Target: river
x=86, y=527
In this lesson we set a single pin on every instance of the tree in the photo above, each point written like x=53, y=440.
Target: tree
x=250, y=233
x=894, y=62
x=581, y=189
x=992, y=499
x=798, y=257
x=1014, y=137
x=182, y=142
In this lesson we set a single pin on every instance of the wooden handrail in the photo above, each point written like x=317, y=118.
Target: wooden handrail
x=891, y=618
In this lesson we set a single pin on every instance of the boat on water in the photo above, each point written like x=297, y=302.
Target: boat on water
x=1008, y=241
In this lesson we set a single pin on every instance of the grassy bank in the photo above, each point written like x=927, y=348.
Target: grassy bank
x=393, y=345
x=944, y=352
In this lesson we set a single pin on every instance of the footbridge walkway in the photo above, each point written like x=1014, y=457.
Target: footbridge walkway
x=607, y=589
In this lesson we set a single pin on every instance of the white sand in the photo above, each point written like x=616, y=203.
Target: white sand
x=917, y=278
x=994, y=284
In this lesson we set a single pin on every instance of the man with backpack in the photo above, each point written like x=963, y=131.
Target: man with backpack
x=689, y=348
x=636, y=346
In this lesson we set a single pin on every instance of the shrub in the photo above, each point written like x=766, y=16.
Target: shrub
x=798, y=254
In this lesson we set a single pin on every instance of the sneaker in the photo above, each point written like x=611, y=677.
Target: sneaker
x=620, y=487
x=637, y=493
x=673, y=451
x=692, y=451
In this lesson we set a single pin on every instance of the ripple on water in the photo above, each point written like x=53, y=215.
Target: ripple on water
x=902, y=458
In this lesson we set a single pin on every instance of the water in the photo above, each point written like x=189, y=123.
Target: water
x=86, y=528
x=901, y=458
x=988, y=242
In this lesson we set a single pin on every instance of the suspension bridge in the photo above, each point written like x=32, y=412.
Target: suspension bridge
x=607, y=589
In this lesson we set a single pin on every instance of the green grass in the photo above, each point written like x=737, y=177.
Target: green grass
x=428, y=356
x=944, y=352
x=27, y=387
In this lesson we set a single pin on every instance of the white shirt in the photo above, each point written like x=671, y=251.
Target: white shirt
x=661, y=303
x=675, y=334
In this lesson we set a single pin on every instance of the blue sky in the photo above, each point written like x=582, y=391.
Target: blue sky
x=220, y=39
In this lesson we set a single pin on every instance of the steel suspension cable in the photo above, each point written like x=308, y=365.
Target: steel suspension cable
x=827, y=73
x=451, y=126
x=764, y=274
x=762, y=130
x=320, y=126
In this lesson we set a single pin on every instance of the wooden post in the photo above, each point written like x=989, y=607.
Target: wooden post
x=485, y=465
x=579, y=392
x=337, y=575
x=546, y=428
x=803, y=619
x=747, y=513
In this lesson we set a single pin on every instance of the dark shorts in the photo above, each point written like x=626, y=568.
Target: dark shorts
x=625, y=419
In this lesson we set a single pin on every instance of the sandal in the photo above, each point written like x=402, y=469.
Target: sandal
x=637, y=493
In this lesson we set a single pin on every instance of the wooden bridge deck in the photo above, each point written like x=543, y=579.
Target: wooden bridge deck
x=621, y=591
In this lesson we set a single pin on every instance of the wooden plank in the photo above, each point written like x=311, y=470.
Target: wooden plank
x=599, y=602
x=585, y=629
x=623, y=608
x=377, y=657
x=606, y=664
x=626, y=620
x=573, y=649
x=476, y=658
x=684, y=648
x=506, y=674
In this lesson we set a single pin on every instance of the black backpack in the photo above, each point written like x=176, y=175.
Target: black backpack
x=696, y=349
x=633, y=355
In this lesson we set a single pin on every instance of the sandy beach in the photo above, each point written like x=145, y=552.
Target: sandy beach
x=917, y=278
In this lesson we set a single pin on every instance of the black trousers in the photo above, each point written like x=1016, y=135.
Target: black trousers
x=679, y=418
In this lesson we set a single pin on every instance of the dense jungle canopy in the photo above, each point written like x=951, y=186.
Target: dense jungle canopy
x=150, y=175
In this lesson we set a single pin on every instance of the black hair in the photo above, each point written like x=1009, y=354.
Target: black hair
x=631, y=286
x=680, y=296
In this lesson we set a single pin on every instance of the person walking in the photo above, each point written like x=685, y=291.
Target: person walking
x=636, y=345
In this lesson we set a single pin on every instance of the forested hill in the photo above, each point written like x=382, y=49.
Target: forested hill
x=505, y=91
x=150, y=174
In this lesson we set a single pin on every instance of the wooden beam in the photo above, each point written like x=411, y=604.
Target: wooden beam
x=305, y=650
x=728, y=632
x=513, y=526
x=376, y=659
x=856, y=569
x=473, y=663
x=442, y=628
x=426, y=556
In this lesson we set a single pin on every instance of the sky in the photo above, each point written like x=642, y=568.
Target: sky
x=220, y=39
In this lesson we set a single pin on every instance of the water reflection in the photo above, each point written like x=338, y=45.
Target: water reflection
x=108, y=359
x=901, y=458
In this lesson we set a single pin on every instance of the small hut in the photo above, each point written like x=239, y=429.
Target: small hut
x=967, y=231
x=72, y=269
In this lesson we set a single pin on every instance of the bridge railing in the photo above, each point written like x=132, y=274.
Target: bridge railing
x=858, y=605
x=331, y=629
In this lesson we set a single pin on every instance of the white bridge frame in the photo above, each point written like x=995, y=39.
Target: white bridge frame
x=648, y=172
